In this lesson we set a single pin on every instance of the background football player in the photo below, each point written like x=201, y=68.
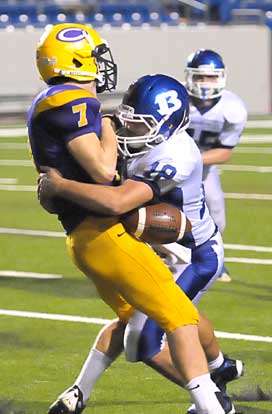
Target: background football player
x=217, y=120
x=160, y=154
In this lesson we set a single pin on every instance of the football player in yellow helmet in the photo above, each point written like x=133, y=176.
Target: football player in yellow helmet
x=64, y=124
x=66, y=132
x=76, y=52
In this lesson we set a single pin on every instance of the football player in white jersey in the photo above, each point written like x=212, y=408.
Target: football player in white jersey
x=217, y=120
x=159, y=153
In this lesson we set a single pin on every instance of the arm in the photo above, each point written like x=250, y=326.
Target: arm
x=216, y=156
x=235, y=115
x=97, y=157
x=103, y=199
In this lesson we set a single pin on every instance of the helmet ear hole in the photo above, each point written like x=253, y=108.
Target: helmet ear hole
x=77, y=63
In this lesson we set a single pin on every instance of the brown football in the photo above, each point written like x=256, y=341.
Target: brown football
x=159, y=223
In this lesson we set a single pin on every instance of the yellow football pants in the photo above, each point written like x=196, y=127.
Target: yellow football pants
x=128, y=274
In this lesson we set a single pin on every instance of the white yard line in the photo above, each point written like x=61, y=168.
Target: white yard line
x=263, y=249
x=245, y=168
x=24, y=188
x=54, y=317
x=260, y=123
x=260, y=138
x=25, y=232
x=8, y=181
x=248, y=260
x=44, y=233
x=13, y=145
x=239, y=149
x=17, y=163
x=32, y=275
x=253, y=150
x=225, y=167
x=256, y=139
x=244, y=196
x=100, y=321
x=13, y=132
x=245, y=337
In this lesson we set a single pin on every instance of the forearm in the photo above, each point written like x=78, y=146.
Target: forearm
x=107, y=200
x=96, y=198
x=216, y=156
x=108, y=145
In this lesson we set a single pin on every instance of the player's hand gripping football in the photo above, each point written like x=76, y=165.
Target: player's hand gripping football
x=48, y=182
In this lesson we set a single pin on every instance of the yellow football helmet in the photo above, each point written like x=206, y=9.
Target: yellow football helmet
x=77, y=52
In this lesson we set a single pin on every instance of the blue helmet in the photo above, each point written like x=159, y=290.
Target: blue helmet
x=206, y=64
x=153, y=108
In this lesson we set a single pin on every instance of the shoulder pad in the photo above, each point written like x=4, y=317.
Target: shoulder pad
x=235, y=111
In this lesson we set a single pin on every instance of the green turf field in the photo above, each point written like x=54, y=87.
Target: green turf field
x=41, y=357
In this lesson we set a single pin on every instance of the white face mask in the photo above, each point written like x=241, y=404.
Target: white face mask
x=139, y=132
x=205, y=89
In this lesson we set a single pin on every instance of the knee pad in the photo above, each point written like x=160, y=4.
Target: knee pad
x=143, y=338
x=132, y=335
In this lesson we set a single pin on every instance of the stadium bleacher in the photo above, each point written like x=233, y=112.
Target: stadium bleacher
x=247, y=11
x=117, y=13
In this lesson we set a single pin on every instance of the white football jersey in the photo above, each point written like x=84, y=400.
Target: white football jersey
x=174, y=170
x=219, y=126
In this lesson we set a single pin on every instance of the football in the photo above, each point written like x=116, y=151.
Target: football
x=159, y=223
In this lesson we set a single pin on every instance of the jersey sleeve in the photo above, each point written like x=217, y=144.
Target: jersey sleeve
x=235, y=120
x=165, y=174
x=76, y=116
